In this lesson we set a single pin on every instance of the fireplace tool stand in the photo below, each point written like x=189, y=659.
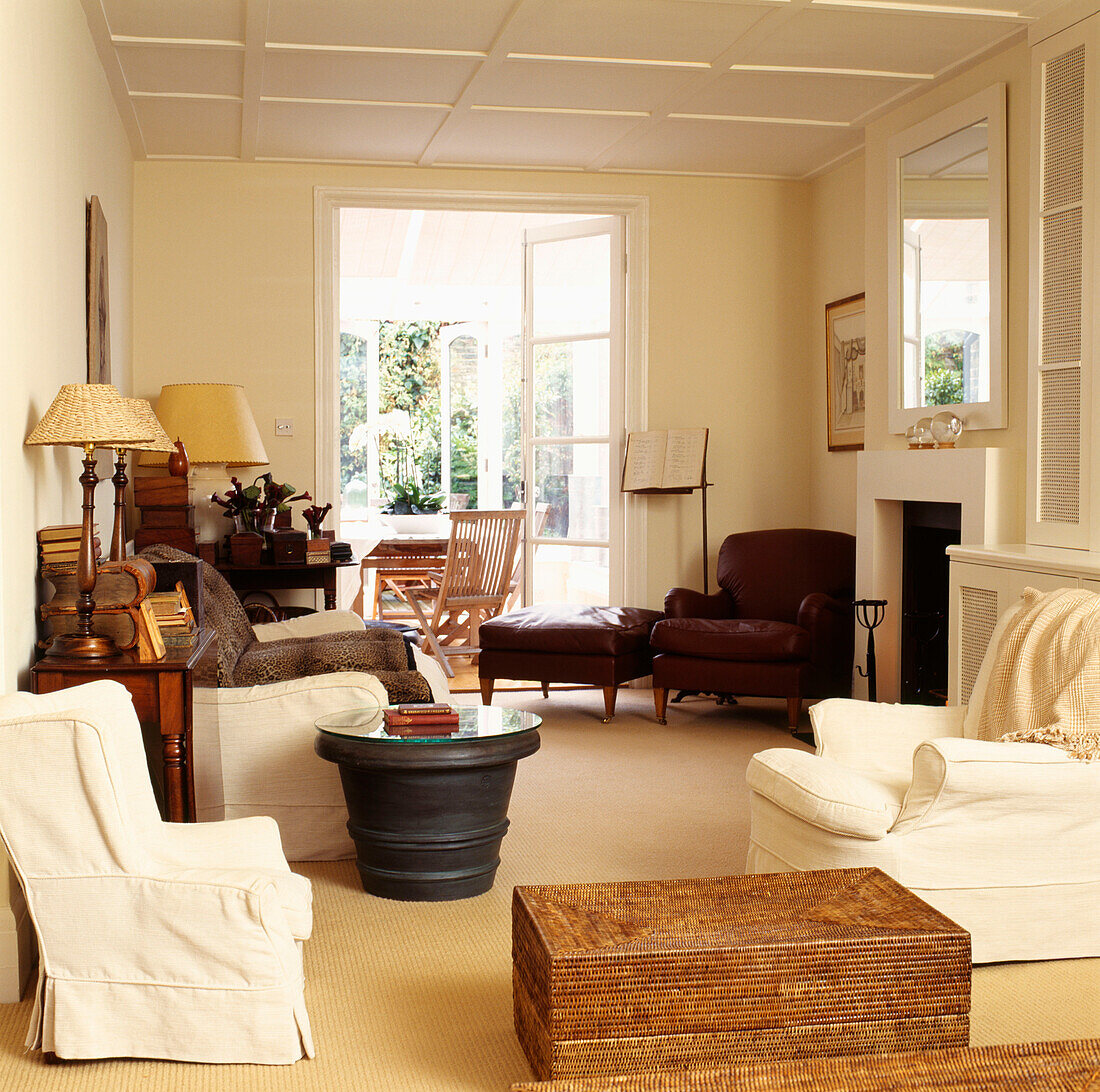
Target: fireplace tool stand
x=869, y=614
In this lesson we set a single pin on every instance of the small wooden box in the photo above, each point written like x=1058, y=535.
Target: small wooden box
x=636, y=977
x=288, y=547
x=161, y=491
x=317, y=551
x=183, y=538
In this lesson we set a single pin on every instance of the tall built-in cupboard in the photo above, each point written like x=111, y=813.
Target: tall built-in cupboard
x=1063, y=476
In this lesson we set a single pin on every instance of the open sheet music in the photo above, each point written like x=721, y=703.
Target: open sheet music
x=672, y=459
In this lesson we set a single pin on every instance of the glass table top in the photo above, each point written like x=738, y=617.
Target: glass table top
x=474, y=722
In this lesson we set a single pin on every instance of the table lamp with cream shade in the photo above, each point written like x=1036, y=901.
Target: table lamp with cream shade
x=160, y=442
x=220, y=434
x=88, y=415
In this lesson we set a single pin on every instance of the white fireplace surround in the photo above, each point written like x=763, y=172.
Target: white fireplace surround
x=982, y=480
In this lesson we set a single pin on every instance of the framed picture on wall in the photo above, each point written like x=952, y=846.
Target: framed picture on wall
x=99, y=322
x=845, y=353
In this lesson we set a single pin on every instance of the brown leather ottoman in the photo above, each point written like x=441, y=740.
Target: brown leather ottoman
x=561, y=642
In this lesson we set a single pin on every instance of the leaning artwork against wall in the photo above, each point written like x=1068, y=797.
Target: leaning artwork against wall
x=99, y=324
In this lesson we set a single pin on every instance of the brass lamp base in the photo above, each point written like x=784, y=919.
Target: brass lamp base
x=73, y=645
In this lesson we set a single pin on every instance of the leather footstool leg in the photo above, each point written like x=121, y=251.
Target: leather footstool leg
x=609, y=695
x=660, y=703
x=486, y=691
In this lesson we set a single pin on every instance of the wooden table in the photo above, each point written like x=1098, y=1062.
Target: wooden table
x=400, y=555
x=247, y=578
x=161, y=690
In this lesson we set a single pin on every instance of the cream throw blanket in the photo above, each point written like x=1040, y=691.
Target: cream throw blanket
x=1044, y=686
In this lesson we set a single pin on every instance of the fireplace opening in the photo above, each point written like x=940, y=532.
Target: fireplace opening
x=928, y=528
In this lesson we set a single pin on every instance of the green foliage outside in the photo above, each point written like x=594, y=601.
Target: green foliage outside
x=409, y=379
x=943, y=368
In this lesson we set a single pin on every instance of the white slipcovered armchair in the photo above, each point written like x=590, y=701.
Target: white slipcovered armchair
x=1003, y=837
x=252, y=750
x=156, y=940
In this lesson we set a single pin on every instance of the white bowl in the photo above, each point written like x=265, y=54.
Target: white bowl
x=433, y=523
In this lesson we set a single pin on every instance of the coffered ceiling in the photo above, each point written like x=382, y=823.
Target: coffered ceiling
x=774, y=88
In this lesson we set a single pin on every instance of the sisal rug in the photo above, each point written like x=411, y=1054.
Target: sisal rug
x=416, y=996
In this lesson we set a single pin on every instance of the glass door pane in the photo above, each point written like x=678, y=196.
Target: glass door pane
x=572, y=408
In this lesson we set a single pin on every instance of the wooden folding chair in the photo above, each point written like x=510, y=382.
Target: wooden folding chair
x=474, y=584
x=515, y=586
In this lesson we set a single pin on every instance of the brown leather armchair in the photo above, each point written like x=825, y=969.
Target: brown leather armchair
x=780, y=625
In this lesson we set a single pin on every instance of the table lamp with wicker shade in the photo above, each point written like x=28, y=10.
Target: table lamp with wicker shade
x=88, y=415
x=219, y=432
x=160, y=442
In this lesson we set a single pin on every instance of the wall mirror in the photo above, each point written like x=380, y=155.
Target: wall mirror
x=947, y=273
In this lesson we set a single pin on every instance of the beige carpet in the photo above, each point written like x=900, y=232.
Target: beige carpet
x=407, y=996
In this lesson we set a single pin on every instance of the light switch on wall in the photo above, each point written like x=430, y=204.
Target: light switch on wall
x=284, y=426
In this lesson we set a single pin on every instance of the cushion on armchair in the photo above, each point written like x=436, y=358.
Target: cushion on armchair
x=747, y=639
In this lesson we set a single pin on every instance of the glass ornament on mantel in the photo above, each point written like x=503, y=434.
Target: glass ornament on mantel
x=946, y=429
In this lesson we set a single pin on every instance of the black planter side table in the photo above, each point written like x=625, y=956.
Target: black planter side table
x=428, y=813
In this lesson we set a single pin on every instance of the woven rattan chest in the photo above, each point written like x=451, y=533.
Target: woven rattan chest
x=653, y=975
x=1069, y=1066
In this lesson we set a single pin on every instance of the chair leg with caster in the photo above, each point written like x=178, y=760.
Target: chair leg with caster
x=609, y=695
x=660, y=703
x=794, y=711
x=546, y=690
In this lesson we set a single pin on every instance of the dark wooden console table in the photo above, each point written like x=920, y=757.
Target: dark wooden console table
x=161, y=690
x=248, y=578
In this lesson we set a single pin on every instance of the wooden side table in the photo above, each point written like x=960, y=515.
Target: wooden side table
x=161, y=690
x=246, y=578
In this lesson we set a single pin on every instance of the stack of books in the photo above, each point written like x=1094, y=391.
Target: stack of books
x=59, y=548
x=421, y=720
x=174, y=617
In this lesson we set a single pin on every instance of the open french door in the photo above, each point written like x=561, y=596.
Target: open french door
x=572, y=406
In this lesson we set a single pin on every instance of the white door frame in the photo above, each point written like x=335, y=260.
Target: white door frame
x=327, y=201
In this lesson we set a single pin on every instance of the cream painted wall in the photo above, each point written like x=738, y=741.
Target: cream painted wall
x=62, y=141
x=837, y=219
x=224, y=289
x=1010, y=67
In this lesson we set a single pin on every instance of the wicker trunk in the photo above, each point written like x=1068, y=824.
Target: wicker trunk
x=1024, y=1067
x=658, y=975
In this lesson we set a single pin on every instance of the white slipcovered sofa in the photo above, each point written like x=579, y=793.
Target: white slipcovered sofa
x=252, y=747
x=1003, y=837
x=156, y=940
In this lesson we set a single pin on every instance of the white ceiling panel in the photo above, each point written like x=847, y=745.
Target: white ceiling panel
x=372, y=133
x=189, y=126
x=396, y=51
x=792, y=95
x=177, y=70
x=372, y=76
x=521, y=139
x=580, y=86
x=644, y=29
x=221, y=20
x=878, y=40
x=424, y=24
x=730, y=147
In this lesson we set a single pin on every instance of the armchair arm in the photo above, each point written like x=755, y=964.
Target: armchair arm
x=252, y=842
x=830, y=624
x=1001, y=783
x=987, y=814
x=686, y=603
x=310, y=625
x=879, y=739
x=824, y=793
